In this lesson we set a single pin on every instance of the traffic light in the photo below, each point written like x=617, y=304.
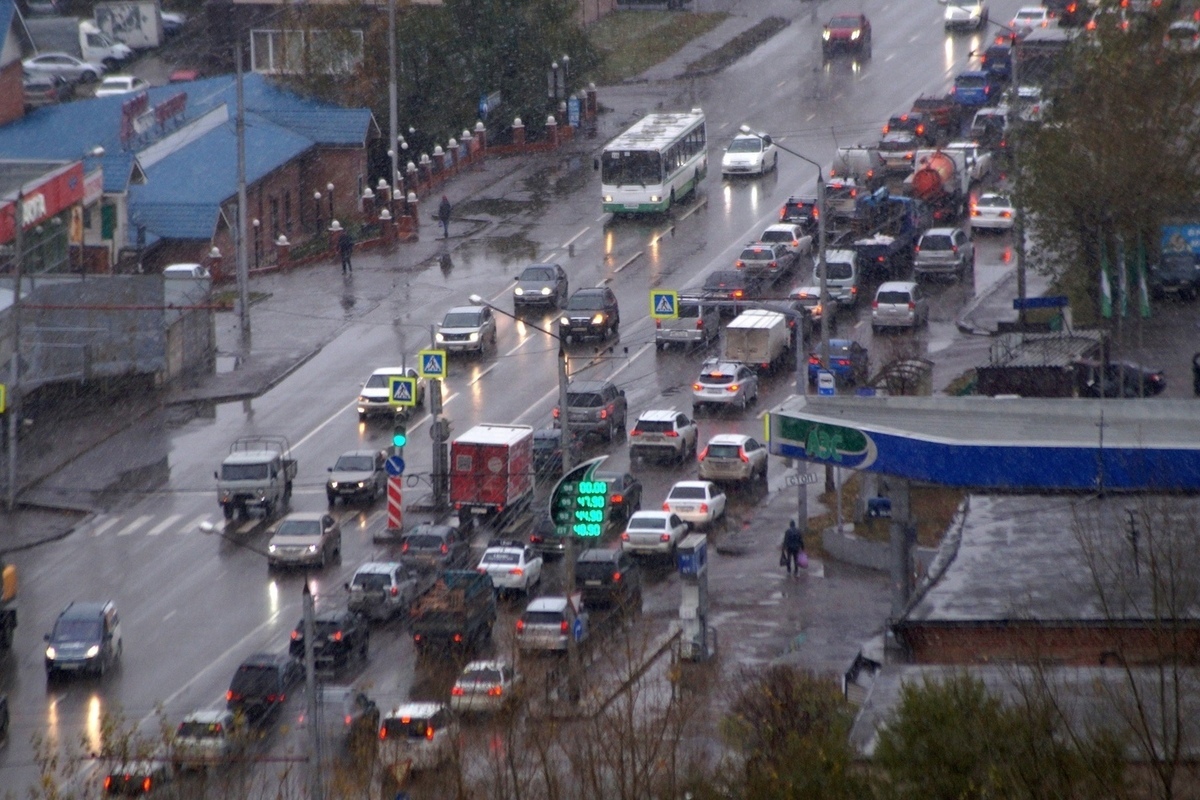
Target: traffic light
x=400, y=436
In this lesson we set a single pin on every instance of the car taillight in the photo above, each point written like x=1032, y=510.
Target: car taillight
x=457, y=638
x=665, y=537
x=108, y=783
x=481, y=570
x=535, y=539
x=671, y=434
x=394, y=591
x=383, y=733
x=272, y=698
x=874, y=304
x=444, y=548
x=739, y=264
x=457, y=691
x=146, y=783
x=953, y=248
x=703, y=455
x=295, y=636
x=704, y=508
x=635, y=432
x=516, y=571
x=975, y=212
x=337, y=636
x=733, y=387
x=696, y=387
x=1005, y=214
x=520, y=625
x=814, y=361
x=417, y=637
x=495, y=691
x=699, y=324
x=404, y=547
x=917, y=248
x=911, y=305
x=853, y=290
x=742, y=455
x=604, y=413
x=666, y=507
x=885, y=128
x=554, y=413
x=658, y=324
x=232, y=695
x=625, y=536
x=429, y=733
x=563, y=627
x=736, y=294
x=617, y=499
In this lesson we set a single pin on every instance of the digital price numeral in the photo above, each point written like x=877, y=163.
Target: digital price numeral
x=580, y=507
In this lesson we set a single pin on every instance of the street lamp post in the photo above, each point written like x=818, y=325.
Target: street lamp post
x=257, y=223
x=329, y=196
x=317, y=206
x=573, y=663
x=822, y=244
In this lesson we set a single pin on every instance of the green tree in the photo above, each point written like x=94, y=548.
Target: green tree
x=1118, y=152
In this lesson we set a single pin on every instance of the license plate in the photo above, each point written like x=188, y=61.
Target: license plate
x=593, y=583
x=685, y=508
x=632, y=206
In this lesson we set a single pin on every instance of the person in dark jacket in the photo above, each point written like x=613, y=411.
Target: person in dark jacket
x=793, y=545
x=345, y=247
x=444, y=210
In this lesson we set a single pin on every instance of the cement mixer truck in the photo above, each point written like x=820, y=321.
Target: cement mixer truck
x=940, y=179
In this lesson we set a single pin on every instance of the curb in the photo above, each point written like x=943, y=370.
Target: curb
x=965, y=324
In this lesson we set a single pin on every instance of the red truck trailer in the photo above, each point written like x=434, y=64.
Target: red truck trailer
x=491, y=469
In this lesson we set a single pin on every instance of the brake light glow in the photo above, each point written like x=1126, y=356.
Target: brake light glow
x=444, y=548
x=404, y=547
x=666, y=506
x=457, y=691
x=733, y=387
x=520, y=625
x=814, y=361
x=696, y=387
x=295, y=636
x=617, y=499
x=704, y=508
x=429, y=733
x=516, y=571
x=146, y=784
x=625, y=536
x=395, y=591
x=742, y=455
x=736, y=294
x=666, y=537
x=337, y=636
x=699, y=324
x=658, y=324
x=739, y=264
x=457, y=638
x=563, y=627
x=495, y=691
x=604, y=413
x=635, y=432
x=555, y=412
x=671, y=434
x=616, y=577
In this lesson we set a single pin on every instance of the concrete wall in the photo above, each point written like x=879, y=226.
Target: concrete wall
x=851, y=549
x=12, y=94
x=1078, y=643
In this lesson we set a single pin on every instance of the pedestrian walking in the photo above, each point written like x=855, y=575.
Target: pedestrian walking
x=793, y=547
x=444, y=210
x=345, y=247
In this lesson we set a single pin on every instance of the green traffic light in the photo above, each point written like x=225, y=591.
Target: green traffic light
x=400, y=437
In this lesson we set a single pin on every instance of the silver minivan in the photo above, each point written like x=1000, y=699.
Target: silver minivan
x=698, y=323
x=899, y=304
x=842, y=283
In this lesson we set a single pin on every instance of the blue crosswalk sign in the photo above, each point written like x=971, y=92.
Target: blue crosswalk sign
x=402, y=391
x=432, y=363
x=664, y=304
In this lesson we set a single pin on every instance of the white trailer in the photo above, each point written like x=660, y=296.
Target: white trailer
x=758, y=338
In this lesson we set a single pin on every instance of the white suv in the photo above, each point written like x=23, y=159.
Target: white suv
x=375, y=397
x=514, y=567
x=665, y=434
x=899, y=304
x=733, y=457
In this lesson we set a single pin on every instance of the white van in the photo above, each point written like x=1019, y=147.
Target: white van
x=192, y=271
x=842, y=281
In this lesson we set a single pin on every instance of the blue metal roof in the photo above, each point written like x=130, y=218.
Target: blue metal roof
x=183, y=192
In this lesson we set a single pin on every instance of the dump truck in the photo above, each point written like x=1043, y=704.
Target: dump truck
x=491, y=470
x=8, y=604
x=458, y=612
x=758, y=338
x=257, y=476
x=941, y=181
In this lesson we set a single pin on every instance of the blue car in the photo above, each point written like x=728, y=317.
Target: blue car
x=847, y=362
x=975, y=87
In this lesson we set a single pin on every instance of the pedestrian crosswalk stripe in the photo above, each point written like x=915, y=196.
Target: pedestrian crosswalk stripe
x=162, y=526
x=195, y=524
x=133, y=526
x=103, y=526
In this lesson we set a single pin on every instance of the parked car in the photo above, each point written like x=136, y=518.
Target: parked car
x=357, y=475
x=205, y=738
x=724, y=384
x=485, y=687
x=435, y=547
x=653, y=533
x=44, y=89
x=382, y=590
x=303, y=539
x=467, y=329
x=750, y=154
x=597, y=407
x=515, y=567
x=423, y=734
x=548, y=622
x=1117, y=379
x=260, y=685
x=899, y=304
x=66, y=66
x=698, y=503
x=847, y=361
x=86, y=638
x=664, y=434
x=609, y=578
x=591, y=312
x=339, y=637
x=114, y=85
x=847, y=33
x=730, y=457
x=541, y=285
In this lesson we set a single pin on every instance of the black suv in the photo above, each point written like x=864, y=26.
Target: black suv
x=590, y=312
x=624, y=495
x=594, y=407
x=260, y=685
x=340, y=637
x=609, y=578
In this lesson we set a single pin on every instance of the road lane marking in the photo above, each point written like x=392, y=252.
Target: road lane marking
x=571, y=241
x=810, y=117
x=195, y=524
x=554, y=392
x=488, y=369
x=353, y=403
x=103, y=526
x=629, y=261
x=702, y=203
x=133, y=526
x=169, y=614
x=162, y=526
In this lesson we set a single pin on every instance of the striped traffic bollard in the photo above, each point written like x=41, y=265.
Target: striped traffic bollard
x=395, y=511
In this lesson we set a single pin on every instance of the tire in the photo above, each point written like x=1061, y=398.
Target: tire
x=87, y=77
x=227, y=511
x=332, y=498
x=269, y=510
x=324, y=558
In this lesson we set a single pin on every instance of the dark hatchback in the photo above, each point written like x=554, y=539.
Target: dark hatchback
x=437, y=547
x=260, y=685
x=609, y=579
x=338, y=638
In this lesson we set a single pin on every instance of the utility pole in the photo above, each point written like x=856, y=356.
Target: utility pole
x=243, y=264
x=315, y=789
x=14, y=377
x=393, y=124
x=574, y=668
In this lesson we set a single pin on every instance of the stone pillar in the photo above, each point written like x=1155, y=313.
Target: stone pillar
x=439, y=159
x=387, y=227
x=214, y=265
x=426, y=171
x=481, y=137
x=519, y=133
x=412, y=180
x=552, y=131
x=283, y=252
x=591, y=100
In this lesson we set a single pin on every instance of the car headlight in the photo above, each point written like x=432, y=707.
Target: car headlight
x=51, y=653
x=271, y=548
x=564, y=321
x=93, y=651
x=854, y=35
x=312, y=548
x=440, y=337
x=608, y=198
x=519, y=291
x=474, y=337
x=362, y=484
x=598, y=319
x=825, y=35
x=545, y=291
x=655, y=198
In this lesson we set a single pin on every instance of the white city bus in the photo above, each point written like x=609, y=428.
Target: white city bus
x=659, y=160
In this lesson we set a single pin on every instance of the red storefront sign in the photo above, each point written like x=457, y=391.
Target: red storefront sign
x=56, y=193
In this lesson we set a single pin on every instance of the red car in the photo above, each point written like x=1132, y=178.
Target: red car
x=848, y=32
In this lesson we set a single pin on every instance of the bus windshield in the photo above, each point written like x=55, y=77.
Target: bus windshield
x=623, y=167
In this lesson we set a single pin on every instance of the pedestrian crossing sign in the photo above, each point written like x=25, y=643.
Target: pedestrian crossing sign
x=664, y=304
x=402, y=391
x=432, y=363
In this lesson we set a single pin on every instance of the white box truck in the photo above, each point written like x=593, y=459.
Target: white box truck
x=136, y=24
x=758, y=338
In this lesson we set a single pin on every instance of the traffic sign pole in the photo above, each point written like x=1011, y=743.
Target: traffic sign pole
x=395, y=510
